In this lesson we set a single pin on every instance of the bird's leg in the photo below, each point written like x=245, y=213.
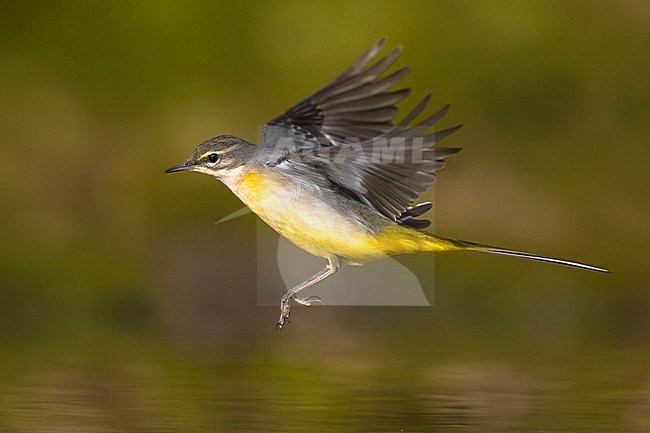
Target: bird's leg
x=285, y=305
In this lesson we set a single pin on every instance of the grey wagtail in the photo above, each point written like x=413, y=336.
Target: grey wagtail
x=338, y=178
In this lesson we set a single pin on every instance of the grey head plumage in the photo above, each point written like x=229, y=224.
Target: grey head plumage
x=217, y=155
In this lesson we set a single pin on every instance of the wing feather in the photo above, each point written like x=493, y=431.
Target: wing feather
x=346, y=132
x=360, y=95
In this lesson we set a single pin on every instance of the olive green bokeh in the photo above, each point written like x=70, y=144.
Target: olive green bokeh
x=123, y=308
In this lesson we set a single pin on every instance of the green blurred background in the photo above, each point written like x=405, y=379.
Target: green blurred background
x=123, y=308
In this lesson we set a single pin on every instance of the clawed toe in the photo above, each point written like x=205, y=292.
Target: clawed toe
x=283, y=321
x=285, y=311
x=308, y=302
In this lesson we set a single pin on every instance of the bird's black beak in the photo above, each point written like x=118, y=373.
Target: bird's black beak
x=180, y=167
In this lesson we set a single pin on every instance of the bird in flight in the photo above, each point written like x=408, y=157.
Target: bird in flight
x=339, y=177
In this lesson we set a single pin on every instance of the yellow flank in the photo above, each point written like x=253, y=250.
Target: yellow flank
x=313, y=225
x=397, y=239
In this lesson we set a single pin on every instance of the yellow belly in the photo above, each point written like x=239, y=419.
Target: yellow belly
x=300, y=215
x=313, y=225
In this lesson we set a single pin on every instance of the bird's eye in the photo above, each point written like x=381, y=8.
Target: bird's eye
x=213, y=157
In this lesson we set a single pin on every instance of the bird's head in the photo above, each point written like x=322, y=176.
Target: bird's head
x=217, y=156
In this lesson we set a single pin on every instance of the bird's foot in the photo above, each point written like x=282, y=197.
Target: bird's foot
x=283, y=321
x=285, y=307
x=285, y=311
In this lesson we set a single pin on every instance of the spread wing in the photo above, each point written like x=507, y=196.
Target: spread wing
x=345, y=132
x=357, y=103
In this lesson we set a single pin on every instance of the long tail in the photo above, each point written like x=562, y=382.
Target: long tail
x=471, y=246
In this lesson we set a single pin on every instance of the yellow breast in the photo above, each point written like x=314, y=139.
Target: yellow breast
x=301, y=214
